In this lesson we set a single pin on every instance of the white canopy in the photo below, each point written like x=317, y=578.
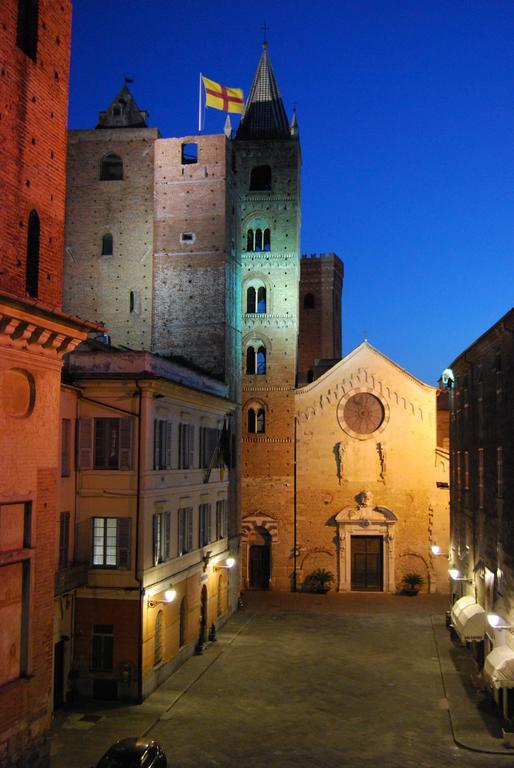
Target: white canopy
x=468, y=619
x=499, y=667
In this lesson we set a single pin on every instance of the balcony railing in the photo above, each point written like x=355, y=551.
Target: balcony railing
x=72, y=576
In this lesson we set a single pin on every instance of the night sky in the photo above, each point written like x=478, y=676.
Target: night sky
x=406, y=115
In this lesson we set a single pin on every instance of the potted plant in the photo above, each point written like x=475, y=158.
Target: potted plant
x=319, y=581
x=412, y=583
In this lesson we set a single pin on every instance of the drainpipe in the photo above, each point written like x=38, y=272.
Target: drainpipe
x=471, y=458
x=136, y=567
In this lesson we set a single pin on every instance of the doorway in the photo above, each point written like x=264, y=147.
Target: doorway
x=259, y=575
x=59, y=674
x=203, y=616
x=367, y=563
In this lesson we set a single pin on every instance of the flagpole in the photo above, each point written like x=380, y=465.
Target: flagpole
x=200, y=104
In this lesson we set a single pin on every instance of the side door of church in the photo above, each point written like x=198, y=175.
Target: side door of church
x=259, y=566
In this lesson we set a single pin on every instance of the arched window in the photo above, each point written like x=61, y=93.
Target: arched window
x=250, y=360
x=250, y=300
x=32, y=265
x=258, y=240
x=251, y=420
x=256, y=359
x=107, y=244
x=157, y=654
x=260, y=178
x=261, y=300
x=308, y=301
x=261, y=423
x=111, y=168
x=26, y=33
x=256, y=420
x=261, y=361
x=182, y=623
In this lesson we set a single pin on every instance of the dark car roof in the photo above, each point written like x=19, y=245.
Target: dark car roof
x=133, y=747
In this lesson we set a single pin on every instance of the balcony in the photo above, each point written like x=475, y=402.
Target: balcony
x=71, y=577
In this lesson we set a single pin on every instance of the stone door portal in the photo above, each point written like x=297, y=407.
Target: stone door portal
x=367, y=563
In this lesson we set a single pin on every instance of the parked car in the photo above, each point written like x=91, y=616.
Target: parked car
x=134, y=753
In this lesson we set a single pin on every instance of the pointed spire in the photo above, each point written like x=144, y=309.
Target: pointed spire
x=228, y=127
x=294, y=124
x=123, y=113
x=264, y=116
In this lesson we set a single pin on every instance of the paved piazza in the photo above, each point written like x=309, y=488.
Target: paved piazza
x=305, y=680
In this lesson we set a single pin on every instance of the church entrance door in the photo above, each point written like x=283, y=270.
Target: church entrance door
x=367, y=563
x=259, y=566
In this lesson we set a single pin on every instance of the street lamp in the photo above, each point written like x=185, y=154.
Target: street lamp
x=456, y=575
x=436, y=550
x=169, y=596
x=229, y=563
x=497, y=622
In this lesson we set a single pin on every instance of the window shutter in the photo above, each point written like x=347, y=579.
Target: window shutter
x=168, y=445
x=189, y=529
x=156, y=443
x=124, y=525
x=85, y=443
x=181, y=531
x=191, y=441
x=167, y=535
x=126, y=443
x=154, y=540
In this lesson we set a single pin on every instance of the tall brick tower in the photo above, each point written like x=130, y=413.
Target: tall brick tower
x=267, y=180
x=34, y=335
x=321, y=284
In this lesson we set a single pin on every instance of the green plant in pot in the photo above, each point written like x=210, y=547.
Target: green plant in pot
x=319, y=581
x=412, y=583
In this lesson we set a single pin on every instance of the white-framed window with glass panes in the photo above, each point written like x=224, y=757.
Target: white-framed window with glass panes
x=111, y=542
x=161, y=536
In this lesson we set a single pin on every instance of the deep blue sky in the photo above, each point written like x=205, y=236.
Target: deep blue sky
x=406, y=113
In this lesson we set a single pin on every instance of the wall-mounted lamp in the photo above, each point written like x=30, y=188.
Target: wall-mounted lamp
x=229, y=563
x=497, y=622
x=169, y=596
x=456, y=575
x=436, y=550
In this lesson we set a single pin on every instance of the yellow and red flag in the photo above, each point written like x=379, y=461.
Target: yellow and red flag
x=220, y=97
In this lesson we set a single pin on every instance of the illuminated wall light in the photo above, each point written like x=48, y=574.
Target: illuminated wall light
x=497, y=622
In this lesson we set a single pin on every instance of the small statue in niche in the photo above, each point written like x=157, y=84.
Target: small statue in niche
x=382, y=459
x=339, y=450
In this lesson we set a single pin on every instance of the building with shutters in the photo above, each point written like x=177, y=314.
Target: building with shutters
x=152, y=517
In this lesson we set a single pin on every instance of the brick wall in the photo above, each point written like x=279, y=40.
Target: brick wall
x=95, y=286
x=33, y=146
x=320, y=326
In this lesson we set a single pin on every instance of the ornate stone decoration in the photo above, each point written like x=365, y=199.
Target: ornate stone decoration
x=364, y=519
x=361, y=413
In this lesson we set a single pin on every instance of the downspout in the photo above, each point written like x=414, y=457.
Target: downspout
x=136, y=567
x=294, y=509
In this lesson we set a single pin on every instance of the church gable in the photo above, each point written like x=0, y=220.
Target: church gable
x=364, y=376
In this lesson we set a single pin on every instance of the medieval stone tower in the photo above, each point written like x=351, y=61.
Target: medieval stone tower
x=267, y=184
x=319, y=342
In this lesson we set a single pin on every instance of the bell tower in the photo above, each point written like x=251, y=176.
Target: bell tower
x=266, y=165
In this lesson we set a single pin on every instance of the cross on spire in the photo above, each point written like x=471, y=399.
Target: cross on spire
x=264, y=30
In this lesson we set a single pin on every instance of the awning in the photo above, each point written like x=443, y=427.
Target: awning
x=468, y=619
x=499, y=667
